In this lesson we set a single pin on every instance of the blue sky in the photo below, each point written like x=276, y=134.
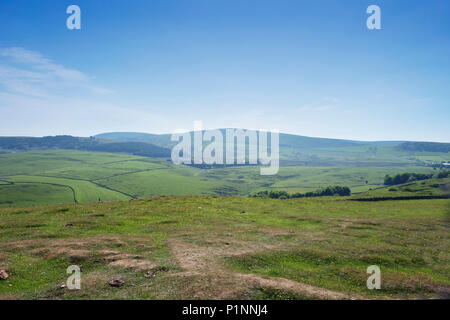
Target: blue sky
x=304, y=67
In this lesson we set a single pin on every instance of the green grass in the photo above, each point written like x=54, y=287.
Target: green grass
x=33, y=194
x=324, y=242
x=173, y=181
x=428, y=187
x=94, y=175
x=85, y=191
x=263, y=293
x=350, y=176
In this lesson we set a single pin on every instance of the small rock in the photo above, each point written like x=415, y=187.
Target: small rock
x=4, y=274
x=149, y=274
x=153, y=271
x=116, y=283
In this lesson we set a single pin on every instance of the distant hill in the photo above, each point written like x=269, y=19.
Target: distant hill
x=425, y=146
x=86, y=144
x=294, y=150
x=311, y=151
x=286, y=140
x=128, y=136
x=162, y=140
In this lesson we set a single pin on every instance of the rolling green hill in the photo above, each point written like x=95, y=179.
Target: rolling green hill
x=83, y=176
x=124, y=216
x=289, y=141
x=136, y=165
x=425, y=146
x=294, y=150
x=77, y=143
x=428, y=187
x=309, y=151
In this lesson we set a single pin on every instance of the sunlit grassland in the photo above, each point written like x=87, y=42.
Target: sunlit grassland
x=84, y=191
x=326, y=242
x=428, y=187
x=33, y=194
x=94, y=176
x=174, y=181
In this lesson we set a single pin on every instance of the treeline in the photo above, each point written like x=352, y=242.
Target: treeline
x=280, y=194
x=86, y=144
x=405, y=177
x=425, y=146
x=443, y=174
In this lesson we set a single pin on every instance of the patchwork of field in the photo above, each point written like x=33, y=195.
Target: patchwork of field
x=210, y=247
x=60, y=176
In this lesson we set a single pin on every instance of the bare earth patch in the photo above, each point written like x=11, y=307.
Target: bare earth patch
x=213, y=280
x=86, y=248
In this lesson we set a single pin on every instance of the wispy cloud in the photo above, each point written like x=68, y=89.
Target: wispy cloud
x=30, y=73
x=41, y=97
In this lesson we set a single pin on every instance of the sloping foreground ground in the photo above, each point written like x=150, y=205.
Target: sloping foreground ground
x=201, y=247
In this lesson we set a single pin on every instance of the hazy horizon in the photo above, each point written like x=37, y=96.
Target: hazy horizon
x=169, y=133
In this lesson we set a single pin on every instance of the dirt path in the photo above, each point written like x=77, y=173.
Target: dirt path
x=219, y=282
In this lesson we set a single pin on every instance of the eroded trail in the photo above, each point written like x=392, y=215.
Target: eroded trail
x=203, y=275
x=213, y=280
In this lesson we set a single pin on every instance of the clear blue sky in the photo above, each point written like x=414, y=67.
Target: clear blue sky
x=304, y=67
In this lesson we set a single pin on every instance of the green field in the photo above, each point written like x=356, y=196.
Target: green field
x=81, y=176
x=195, y=230
x=428, y=187
x=34, y=194
x=200, y=247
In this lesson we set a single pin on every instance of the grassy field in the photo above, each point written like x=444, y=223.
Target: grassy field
x=33, y=194
x=58, y=210
x=80, y=176
x=199, y=247
x=428, y=187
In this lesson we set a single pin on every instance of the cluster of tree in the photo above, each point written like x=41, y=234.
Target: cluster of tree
x=86, y=144
x=372, y=150
x=400, y=178
x=280, y=194
x=436, y=166
x=425, y=146
x=443, y=174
